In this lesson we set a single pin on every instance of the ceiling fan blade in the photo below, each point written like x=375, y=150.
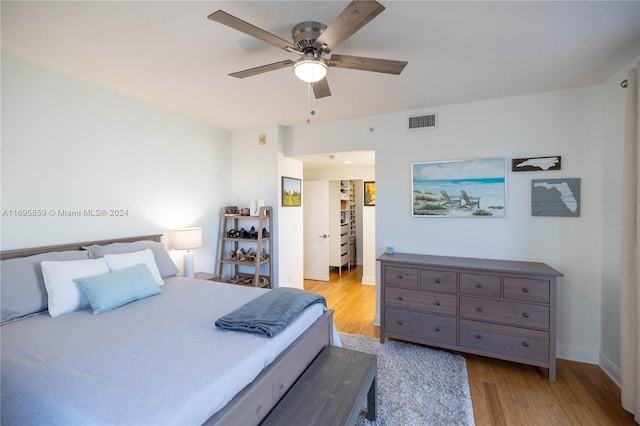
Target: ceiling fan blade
x=355, y=16
x=367, y=64
x=321, y=88
x=238, y=24
x=262, y=69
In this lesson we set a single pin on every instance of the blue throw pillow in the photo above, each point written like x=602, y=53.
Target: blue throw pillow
x=109, y=291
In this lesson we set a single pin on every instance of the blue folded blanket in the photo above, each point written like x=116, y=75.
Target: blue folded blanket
x=271, y=312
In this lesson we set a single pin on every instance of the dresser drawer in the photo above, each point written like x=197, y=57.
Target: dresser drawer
x=416, y=325
x=526, y=289
x=438, y=280
x=480, y=285
x=401, y=277
x=501, y=339
x=505, y=311
x=426, y=301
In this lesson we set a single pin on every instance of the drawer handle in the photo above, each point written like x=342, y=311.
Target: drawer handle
x=400, y=322
x=399, y=297
x=525, y=314
x=438, y=329
x=479, y=309
x=525, y=344
x=437, y=280
x=437, y=303
x=479, y=285
x=478, y=336
x=526, y=290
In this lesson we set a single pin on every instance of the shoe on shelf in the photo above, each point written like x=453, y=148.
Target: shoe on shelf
x=253, y=234
x=251, y=255
x=265, y=233
x=241, y=254
x=263, y=255
x=243, y=233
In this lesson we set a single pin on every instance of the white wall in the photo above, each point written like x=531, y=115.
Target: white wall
x=365, y=229
x=290, y=226
x=254, y=169
x=613, y=119
x=565, y=123
x=70, y=145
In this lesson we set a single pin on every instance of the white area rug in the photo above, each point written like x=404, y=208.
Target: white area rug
x=416, y=385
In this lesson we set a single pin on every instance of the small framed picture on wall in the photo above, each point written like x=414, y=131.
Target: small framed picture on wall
x=369, y=193
x=291, y=192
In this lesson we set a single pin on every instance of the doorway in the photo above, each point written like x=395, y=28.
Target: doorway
x=330, y=177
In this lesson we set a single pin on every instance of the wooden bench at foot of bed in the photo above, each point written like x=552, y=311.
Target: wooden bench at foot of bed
x=331, y=391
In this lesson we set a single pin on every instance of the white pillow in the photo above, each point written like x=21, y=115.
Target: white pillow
x=63, y=294
x=118, y=262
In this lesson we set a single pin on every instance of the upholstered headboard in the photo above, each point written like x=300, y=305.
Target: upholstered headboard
x=12, y=254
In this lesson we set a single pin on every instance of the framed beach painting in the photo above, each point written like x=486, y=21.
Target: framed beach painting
x=459, y=188
x=291, y=192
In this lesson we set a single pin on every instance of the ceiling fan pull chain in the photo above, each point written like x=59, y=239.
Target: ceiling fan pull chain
x=312, y=112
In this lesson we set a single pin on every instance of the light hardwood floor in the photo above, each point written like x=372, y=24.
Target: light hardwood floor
x=503, y=393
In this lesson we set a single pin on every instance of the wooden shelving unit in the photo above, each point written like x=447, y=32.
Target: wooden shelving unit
x=352, y=224
x=257, y=272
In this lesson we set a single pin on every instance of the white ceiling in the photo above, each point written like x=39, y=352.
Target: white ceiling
x=169, y=54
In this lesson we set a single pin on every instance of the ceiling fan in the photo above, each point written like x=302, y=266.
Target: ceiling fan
x=312, y=40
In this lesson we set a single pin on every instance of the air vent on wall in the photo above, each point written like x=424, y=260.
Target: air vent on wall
x=419, y=122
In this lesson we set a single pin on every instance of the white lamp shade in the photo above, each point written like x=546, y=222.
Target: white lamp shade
x=310, y=70
x=185, y=239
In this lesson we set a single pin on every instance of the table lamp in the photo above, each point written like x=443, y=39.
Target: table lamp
x=186, y=239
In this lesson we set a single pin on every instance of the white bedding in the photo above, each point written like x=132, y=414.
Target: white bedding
x=159, y=360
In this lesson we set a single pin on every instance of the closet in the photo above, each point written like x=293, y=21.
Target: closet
x=342, y=224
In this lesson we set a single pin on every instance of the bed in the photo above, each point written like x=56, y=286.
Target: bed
x=158, y=360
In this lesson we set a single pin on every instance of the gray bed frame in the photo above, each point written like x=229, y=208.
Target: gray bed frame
x=251, y=405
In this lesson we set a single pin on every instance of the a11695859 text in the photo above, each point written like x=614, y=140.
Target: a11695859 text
x=65, y=212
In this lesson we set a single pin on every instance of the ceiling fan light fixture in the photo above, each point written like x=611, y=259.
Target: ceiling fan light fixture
x=310, y=70
x=312, y=40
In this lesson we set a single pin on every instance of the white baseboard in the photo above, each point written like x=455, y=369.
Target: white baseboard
x=369, y=280
x=590, y=356
x=572, y=353
x=611, y=370
x=376, y=320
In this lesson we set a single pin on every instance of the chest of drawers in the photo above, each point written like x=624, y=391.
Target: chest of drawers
x=497, y=308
